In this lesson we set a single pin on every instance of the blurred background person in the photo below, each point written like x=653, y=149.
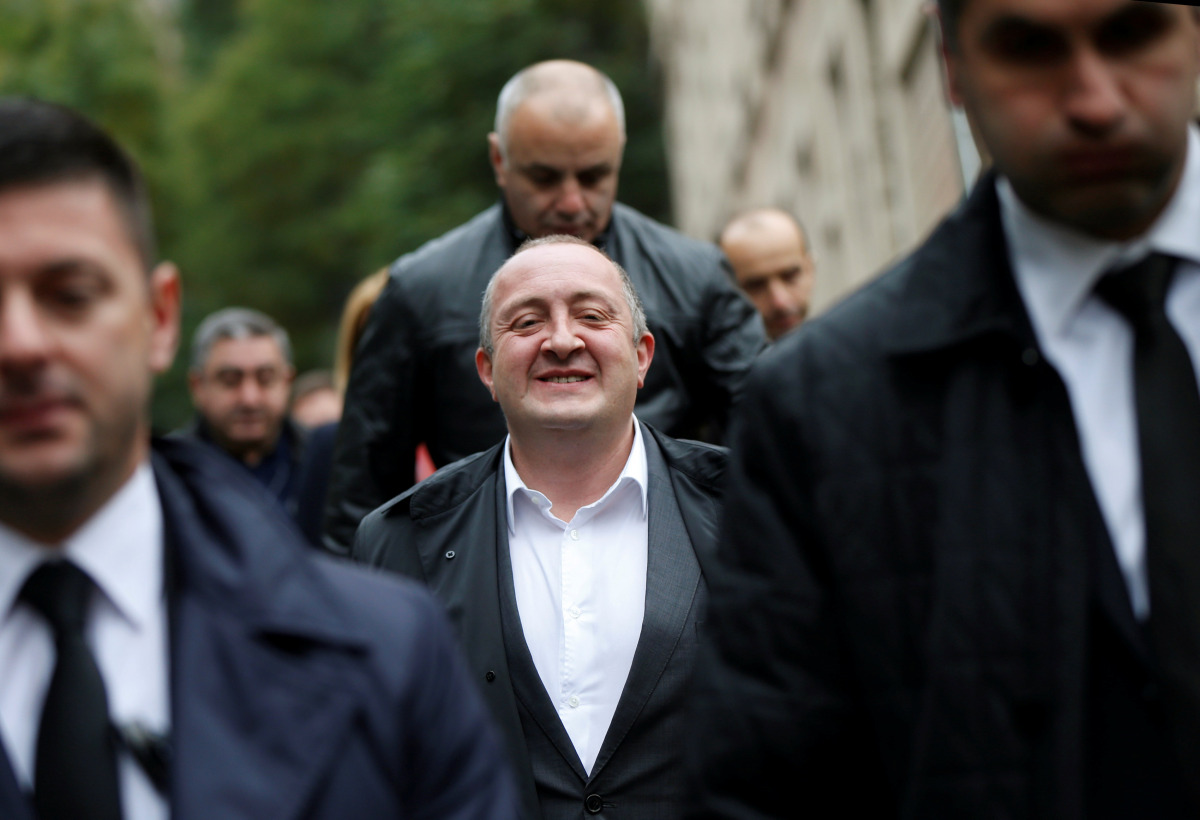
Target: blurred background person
x=772, y=264
x=318, y=451
x=315, y=399
x=240, y=381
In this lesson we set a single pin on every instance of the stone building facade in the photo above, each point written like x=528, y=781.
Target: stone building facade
x=833, y=109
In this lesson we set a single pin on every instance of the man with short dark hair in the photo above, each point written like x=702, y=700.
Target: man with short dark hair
x=556, y=153
x=570, y=554
x=170, y=648
x=959, y=573
x=772, y=264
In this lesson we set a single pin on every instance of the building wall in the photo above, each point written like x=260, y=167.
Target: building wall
x=833, y=109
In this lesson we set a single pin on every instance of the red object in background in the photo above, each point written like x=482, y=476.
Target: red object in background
x=424, y=467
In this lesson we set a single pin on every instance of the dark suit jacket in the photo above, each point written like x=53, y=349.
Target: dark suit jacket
x=414, y=377
x=451, y=532
x=915, y=585
x=301, y=688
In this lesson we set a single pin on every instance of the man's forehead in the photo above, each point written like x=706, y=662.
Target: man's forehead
x=550, y=121
x=62, y=221
x=1051, y=13
x=245, y=351
x=555, y=271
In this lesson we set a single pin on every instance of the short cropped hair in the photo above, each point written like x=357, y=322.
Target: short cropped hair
x=236, y=323
x=636, y=311
x=525, y=83
x=42, y=143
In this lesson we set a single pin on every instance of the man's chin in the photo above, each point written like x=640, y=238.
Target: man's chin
x=1116, y=209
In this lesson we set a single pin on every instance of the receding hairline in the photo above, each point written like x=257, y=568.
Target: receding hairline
x=745, y=225
x=556, y=243
x=571, y=90
x=628, y=289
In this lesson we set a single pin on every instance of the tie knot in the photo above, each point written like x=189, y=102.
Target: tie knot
x=59, y=591
x=1139, y=292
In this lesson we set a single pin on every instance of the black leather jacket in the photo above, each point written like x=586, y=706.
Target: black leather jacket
x=414, y=378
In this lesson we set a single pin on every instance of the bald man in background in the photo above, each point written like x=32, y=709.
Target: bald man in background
x=556, y=152
x=772, y=265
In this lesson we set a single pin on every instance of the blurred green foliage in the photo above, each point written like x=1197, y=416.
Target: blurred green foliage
x=292, y=148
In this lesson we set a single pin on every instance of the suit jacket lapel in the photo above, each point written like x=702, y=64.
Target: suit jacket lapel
x=672, y=582
x=472, y=586
x=259, y=678
x=527, y=684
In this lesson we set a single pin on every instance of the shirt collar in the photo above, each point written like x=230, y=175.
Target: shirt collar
x=1056, y=268
x=636, y=470
x=120, y=547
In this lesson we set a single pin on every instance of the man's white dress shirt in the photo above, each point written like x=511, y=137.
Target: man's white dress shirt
x=121, y=548
x=581, y=593
x=1091, y=345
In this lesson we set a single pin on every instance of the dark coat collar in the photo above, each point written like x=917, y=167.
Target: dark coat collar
x=958, y=286
x=454, y=484
x=264, y=655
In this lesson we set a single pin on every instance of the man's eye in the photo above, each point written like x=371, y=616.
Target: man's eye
x=544, y=179
x=1027, y=44
x=592, y=177
x=73, y=296
x=1131, y=31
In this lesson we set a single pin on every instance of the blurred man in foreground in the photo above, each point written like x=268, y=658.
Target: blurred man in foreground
x=170, y=648
x=960, y=574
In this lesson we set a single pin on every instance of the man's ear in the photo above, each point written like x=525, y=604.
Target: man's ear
x=483, y=366
x=496, y=157
x=949, y=62
x=645, y=354
x=165, y=299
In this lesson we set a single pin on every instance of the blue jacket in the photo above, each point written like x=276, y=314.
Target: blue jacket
x=301, y=687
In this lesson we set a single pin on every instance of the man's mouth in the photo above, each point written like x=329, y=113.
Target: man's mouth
x=564, y=379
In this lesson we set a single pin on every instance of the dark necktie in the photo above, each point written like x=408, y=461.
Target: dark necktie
x=1168, y=422
x=75, y=771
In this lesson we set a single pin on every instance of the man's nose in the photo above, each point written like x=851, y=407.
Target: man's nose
x=1094, y=101
x=24, y=338
x=781, y=297
x=249, y=391
x=562, y=340
x=570, y=198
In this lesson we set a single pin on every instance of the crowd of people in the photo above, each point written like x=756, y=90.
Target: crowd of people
x=591, y=519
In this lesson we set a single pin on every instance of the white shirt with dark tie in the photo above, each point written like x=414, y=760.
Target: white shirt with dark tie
x=1091, y=345
x=121, y=549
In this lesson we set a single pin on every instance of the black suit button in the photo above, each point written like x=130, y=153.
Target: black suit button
x=594, y=804
x=489, y=677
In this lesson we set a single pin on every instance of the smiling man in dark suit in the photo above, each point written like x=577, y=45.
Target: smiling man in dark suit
x=960, y=573
x=569, y=555
x=169, y=646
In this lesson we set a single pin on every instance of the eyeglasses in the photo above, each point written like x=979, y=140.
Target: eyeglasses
x=231, y=377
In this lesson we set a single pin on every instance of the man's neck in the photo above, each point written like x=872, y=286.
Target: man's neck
x=571, y=470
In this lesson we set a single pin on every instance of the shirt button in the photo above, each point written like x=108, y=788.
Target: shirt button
x=574, y=535
x=573, y=612
x=573, y=702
